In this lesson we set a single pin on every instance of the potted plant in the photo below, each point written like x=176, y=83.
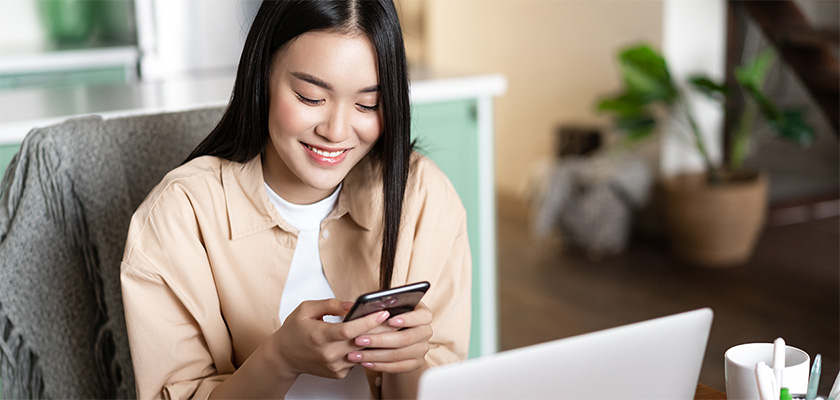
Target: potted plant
x=713, y=218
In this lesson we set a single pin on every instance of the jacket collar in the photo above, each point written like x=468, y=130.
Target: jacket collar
x=249, y=211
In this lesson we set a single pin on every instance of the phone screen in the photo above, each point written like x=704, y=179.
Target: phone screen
x=397, y=300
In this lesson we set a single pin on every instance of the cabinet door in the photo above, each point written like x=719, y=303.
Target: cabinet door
x=447, y=133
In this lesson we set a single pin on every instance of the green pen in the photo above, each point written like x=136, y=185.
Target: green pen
x=814, y=382
x=785, y=394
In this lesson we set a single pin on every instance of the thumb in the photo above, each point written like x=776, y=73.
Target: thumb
x=317, y=309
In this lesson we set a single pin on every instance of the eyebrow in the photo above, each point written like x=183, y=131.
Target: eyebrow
x=320, y=83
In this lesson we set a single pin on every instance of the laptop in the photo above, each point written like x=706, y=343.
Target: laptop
x=654, y=359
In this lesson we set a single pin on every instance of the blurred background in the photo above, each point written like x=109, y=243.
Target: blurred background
x=583, y=243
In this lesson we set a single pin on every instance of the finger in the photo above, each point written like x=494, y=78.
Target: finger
x=396, y=339
x=421, y=315
x=351, y=329
x=342, y=365
x=381, y=328
x=414, y=351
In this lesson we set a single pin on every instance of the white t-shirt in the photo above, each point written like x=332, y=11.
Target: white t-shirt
x=306, y=281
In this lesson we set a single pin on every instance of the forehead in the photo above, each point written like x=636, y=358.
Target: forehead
x=338, y=58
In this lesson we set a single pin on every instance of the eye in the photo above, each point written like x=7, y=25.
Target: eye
x=308, y=101
x=368, y=108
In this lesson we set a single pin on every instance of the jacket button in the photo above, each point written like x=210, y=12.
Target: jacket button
x=326, y=234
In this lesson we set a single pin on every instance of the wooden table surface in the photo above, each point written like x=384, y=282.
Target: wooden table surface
x=708, y=393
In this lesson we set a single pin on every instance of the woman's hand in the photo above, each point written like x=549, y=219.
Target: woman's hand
x=307, y=344
x=400, y=349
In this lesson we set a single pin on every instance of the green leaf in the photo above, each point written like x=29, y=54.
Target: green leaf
x=646, y=74
x=791, y=125
x=770, y=111
x=624, y=104
x=752, y=75
x=636, y=127
x=709, y=87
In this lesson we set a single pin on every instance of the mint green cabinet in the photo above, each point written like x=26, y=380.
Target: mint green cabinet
x=447, y=132
x=63, y=78
x=7, y=151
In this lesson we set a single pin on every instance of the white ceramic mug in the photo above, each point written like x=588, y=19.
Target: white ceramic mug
x=740, y=369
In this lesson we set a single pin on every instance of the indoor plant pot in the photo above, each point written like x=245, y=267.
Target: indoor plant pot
x=714, y=225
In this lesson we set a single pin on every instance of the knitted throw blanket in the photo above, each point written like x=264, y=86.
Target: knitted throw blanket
x=65, y=204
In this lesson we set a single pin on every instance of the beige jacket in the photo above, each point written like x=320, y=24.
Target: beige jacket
x=207, y=258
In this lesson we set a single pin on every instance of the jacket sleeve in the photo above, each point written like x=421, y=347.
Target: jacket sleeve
x=451, y=304
x=179, y=344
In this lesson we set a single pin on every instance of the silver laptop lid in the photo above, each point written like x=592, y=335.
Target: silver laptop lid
x=655, y=359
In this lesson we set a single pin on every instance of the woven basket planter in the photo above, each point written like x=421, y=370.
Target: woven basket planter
x=714, y=225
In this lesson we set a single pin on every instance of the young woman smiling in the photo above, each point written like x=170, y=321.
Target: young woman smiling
x=306, y=192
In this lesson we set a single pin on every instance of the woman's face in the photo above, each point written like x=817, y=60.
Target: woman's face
x=324, y=113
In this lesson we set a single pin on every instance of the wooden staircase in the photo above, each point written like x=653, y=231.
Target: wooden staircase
x=807, y=51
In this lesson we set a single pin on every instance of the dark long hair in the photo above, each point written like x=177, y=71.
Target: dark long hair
x=242, y=133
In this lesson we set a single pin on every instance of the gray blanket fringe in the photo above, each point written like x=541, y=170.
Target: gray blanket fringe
x=72, y=220
x=20, y=374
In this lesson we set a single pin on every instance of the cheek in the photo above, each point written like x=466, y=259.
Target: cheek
x=371, y=129
x=287, y=119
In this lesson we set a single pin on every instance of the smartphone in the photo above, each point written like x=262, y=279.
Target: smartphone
x=396, y=300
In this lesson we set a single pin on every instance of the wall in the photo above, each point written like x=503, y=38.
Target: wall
x=823, y=14
x=186, y=37
x=694, y=42
x=20, y=26
x=558, y=56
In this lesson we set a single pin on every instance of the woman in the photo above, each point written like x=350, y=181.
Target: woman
x=306, y=192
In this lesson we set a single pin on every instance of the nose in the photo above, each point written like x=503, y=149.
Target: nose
x=336, y=125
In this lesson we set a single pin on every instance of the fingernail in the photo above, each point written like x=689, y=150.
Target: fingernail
x=363, y=341
x=367, y=364
x=355, y=356
x=347, y=305
x=382, y=316
x=397, y=321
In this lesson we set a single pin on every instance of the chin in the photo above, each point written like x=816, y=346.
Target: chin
x=325, y=183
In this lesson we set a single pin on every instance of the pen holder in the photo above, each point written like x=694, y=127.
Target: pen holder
x=739, y=369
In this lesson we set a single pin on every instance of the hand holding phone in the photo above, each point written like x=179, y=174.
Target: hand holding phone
x=396, y=300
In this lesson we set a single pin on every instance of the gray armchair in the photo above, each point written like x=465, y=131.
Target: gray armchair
x=65, y=205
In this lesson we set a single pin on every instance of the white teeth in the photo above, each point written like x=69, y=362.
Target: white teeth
x=330, y=154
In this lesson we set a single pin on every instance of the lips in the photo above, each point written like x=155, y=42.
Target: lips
x=325, y=156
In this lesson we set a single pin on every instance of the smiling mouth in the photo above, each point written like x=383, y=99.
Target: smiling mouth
x=324, y=153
